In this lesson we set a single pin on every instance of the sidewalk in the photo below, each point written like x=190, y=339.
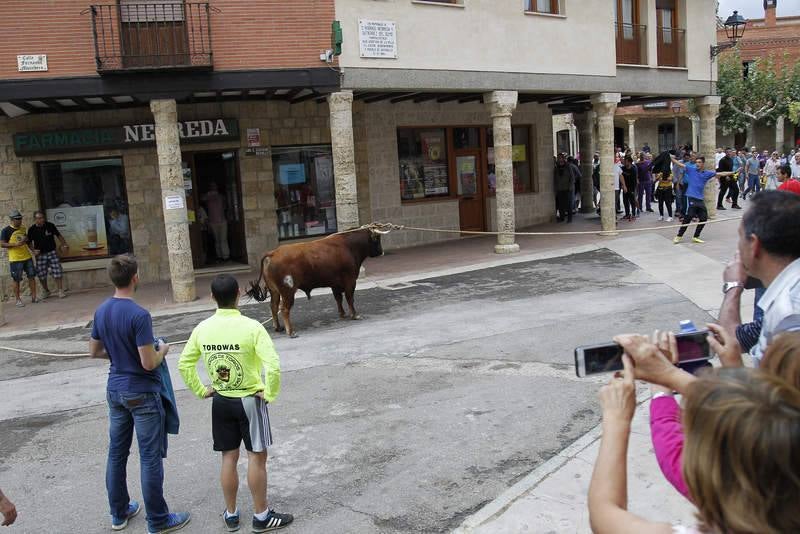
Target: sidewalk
x=78, y=308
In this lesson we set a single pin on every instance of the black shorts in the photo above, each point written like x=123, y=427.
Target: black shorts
x=234, y=420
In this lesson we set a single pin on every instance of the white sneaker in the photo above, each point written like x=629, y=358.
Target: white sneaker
x=669, y=219
x=661, y=218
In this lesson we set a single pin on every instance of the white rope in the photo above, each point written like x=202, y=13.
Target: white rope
x=81, y=354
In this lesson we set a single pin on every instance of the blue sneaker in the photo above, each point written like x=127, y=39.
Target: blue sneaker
x=119, y=523
x=231, y=521
x=174, y=522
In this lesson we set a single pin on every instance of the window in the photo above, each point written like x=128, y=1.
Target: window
x=543, y=6
x=86, y=201
x=666, y=137
x=520, y=156
x=423, y=163
x=304, y=190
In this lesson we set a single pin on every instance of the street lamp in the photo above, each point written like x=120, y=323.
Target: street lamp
x=734, y=30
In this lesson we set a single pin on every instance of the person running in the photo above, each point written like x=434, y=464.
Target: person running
x=696, y=176
x=631, y=179
x=20, y=260
x=42, y=237
x=235, y=349
x=122, y=332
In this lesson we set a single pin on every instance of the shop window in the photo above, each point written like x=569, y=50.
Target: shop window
x=86, y=201
x=423, y=163
x=543, y=6
x=304, y=190
x=520, y=156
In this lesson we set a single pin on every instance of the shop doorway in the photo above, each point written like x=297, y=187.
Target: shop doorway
x=214, y=204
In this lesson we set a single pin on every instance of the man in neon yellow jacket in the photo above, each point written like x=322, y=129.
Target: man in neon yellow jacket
x=235, y=349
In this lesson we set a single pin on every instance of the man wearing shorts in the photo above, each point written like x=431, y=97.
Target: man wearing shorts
x=696, y=178
x=20, y=260
x=235, y=349
x=42, y=237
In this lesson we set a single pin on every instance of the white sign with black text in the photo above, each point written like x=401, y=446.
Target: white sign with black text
x=32, y=63
x=174, y=202
x=377, y=39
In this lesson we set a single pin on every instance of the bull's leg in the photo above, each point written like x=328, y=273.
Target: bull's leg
x=337, y=294
x=287, y=301
x=274, y=304
x=348, y=293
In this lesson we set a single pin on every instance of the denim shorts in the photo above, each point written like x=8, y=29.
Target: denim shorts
x=17, y=268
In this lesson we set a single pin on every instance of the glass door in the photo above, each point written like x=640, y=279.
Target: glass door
x=470, y=189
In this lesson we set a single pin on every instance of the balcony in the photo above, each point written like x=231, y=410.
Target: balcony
x=631, y=44
x=151, y=36
x=671, y=47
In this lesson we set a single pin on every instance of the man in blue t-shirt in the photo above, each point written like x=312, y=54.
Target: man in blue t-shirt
x=122, y=332
x=696, y=177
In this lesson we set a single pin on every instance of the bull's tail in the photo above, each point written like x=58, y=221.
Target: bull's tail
x=257, y=291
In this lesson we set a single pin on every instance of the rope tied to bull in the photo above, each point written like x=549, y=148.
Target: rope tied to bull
x=386, y=227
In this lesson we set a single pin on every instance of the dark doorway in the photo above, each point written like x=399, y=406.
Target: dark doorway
x=619, y=137
x=214, y=201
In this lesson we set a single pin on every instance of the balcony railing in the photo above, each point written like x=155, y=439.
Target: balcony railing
x=172, y=34
x=671, y=47
x=631, y=44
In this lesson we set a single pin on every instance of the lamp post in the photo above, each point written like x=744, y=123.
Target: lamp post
x=676, y=108
x=734, y=30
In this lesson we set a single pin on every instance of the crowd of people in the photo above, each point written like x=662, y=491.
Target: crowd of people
x=675, y=182
x=732, y=446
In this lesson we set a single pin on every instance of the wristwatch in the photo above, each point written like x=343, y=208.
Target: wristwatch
x=727, y=286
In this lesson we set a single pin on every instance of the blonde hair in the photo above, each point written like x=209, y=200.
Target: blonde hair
x=782, y=357
x=741, y=457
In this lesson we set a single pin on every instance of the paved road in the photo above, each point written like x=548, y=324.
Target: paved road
x=449, y=391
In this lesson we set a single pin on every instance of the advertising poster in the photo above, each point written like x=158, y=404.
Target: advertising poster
x=518, y=153
x=292, y=173
x=436, y=180
x=323, y=168
x=84, y=228
x=433, y=147
x=466, y=175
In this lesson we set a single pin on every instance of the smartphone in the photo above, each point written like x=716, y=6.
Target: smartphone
x=607, y=357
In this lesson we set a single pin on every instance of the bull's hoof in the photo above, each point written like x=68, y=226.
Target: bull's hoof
x=293, y=335
x=356, y=317
x=279, y=329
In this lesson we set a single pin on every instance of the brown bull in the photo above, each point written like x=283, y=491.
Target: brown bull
x=333, y=262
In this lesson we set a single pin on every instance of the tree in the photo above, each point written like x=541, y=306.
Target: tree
x=750, y=94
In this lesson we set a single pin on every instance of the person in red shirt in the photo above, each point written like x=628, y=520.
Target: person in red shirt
x=787, y=182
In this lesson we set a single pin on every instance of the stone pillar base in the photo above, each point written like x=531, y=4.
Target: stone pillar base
x=608, y=234
x=588, y=209
x=506, y=249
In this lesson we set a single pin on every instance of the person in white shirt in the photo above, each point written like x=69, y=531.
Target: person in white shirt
x=718, y=156
x=795, y=165
x=771, y=171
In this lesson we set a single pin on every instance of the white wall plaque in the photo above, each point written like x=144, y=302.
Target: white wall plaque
x=32, y=63
x=377, y=39
x=173, y=202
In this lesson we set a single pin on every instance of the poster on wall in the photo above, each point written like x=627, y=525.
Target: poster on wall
x=436, y=179
x=323, y=168
x=84, y=229
x=467, y=179
x=432, y=147
x=292, y=173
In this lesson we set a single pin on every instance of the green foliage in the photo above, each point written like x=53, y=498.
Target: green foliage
x=794, y=112
x=763, y=95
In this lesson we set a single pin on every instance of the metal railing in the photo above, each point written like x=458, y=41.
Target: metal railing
x=171, y=34
x=631, y=43
x=671, y=47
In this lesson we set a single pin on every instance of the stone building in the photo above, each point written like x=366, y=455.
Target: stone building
x=137, y=132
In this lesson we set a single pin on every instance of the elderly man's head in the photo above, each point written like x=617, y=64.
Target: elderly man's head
x=769, y=234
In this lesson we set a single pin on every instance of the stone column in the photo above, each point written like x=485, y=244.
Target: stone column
x=708, y=109
x=344, y=160
x=585, y=123
x=780, y=136
x=501, y=105
x=695, y=132
x=632, y=136
x=173, y=200
x=605, y=105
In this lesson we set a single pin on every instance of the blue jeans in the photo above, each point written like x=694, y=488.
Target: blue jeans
x=753, y=184
x=143, y=412
x=680, y=202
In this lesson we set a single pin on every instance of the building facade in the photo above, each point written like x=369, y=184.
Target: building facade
x=145, y=126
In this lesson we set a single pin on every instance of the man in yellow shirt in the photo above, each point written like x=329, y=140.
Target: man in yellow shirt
x=235, y=349
x=15, y=240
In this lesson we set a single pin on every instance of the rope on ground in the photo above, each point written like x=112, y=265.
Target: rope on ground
x=385, y=228
x=81, y=354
